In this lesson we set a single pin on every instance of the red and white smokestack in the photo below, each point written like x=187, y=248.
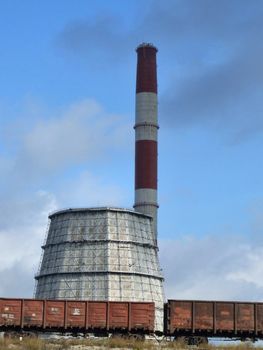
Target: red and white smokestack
x=146, y=128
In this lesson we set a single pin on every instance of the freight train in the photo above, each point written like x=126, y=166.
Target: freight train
x=191, y=321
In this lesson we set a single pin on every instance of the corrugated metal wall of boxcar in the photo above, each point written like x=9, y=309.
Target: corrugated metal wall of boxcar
x=10, y=312
x=142, y=316
x=54, y=314
x=76, y=314
x=215, y=318
x=245, y=317
x=259, y=317
x=32, y=311
x=66, y=314
x=224, y=316
x=118, y=315
x=203, y=312
x=97, y=315
x=180, y=315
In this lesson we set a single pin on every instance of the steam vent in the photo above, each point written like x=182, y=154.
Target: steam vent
x=111, y=253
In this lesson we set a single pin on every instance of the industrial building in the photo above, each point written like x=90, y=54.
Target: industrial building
x=112, y=253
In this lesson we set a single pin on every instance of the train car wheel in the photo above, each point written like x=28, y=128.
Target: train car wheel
x=140, y=337
x=197, y=341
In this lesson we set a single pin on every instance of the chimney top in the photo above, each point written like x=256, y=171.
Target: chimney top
x=146, y=45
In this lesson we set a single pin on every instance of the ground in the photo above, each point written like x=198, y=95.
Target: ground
x=102, y=344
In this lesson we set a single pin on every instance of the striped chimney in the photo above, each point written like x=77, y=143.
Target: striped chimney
x=146, y=128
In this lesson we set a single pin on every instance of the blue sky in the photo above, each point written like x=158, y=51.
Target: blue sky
x=67, y=99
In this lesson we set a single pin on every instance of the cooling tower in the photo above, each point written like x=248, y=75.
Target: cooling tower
x=101, y=254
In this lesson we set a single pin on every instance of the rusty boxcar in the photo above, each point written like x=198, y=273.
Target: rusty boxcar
x=193, y=321
x=214, y=319
x=81, y=316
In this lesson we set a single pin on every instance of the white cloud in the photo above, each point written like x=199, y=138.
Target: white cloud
x=66, y=139
x=252, y=269
x=78, y=134
x=88, y=190
x=23, y=225
x=212, y=267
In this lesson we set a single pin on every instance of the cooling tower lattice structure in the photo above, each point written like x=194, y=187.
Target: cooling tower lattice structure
x=101, y=254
